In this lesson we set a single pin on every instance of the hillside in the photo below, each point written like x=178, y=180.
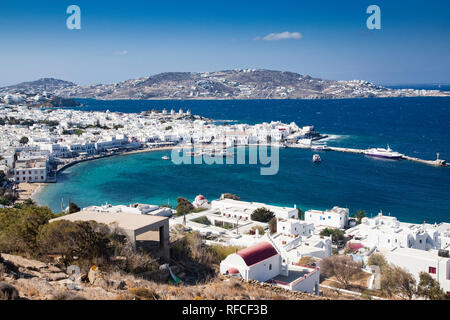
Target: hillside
x=228, y=84
x=35, y=280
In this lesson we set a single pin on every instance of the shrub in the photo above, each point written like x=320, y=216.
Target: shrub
x=73, y=208
x=273, y=225
x=343, y=268
x=377, y=259
x=336, y=234
x=203, y=220
x=23, y=140
x=141, y=293
x=230, y=196
x=221, y=252
x=262, y=215
x=19, y=228
x=86, y=242
x=184, y=206
x=429, y=288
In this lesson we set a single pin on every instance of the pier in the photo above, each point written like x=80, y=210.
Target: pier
x=437, y=163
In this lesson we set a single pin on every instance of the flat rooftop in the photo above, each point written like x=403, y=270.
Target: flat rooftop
x=128, y=221
x=293, y=275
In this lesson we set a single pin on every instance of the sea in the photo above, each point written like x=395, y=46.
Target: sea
x=412, y=192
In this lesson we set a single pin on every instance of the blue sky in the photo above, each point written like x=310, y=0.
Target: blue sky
x=120, y=40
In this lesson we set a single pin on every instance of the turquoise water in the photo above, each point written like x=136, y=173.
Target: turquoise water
x=412, y=192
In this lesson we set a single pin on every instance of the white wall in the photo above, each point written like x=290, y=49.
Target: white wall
x=261, y=270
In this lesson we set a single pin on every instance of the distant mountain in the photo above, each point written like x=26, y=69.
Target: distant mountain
x=39, y=86
x=228, y=84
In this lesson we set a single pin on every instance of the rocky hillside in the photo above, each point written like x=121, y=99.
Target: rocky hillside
x=28, y=279
x=228, y=84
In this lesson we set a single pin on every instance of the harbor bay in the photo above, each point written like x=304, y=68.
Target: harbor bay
x=412, y=192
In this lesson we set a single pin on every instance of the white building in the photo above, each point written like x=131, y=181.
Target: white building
x=136, y=208
x=243, y=210
x=31, y=171
x=335, y=218
x=294, y=227
x=264, y=263
x=416, y=261
x=386, y=232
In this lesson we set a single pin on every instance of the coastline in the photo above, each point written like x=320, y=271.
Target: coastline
x=29, y=190
x=33, y=190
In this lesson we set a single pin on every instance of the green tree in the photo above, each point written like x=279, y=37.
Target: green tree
x=184, y=206
x=429, y=288
x=73, y=207
x=336, y=234
x=19, y=228
x=273, y=225
x=262, y=215
x=359, y=215
x=301, y=214
x=230, y=196
x=24, y=140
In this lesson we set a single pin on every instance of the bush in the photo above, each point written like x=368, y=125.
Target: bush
x=184, y=206
x=343, y=268
x=221, y=252
x=259, y=228
x=397, y=281
x=273, y=225
x=141, y=293
x=19, y=228
x=86, y=242
x=262, y=215
x=377, y=259
x=230, y=196
x=73, y=208
x=336, y=234
x=23, y=140
x=203, y=220
x=429, y=288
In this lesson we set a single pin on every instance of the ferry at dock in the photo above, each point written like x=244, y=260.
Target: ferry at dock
x=387, y=153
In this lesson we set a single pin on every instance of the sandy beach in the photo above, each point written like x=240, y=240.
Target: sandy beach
x=28, y=190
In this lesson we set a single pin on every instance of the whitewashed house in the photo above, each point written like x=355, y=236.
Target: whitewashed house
x=243, y=210
x=386, y=232
x=263, y=262
x=416, y=261
x=335, y=218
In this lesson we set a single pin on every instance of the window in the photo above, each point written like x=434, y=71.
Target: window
x=420, y=241
x=432, y=270
x=270, y=266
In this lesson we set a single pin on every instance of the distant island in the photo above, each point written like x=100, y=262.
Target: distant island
x=228, y=84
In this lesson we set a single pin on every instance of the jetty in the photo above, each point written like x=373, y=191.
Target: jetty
x=437, y=162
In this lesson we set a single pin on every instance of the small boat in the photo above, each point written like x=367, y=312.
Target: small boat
x=165, y=158
x=316, y=158
x=383, y=153
x=322, y=147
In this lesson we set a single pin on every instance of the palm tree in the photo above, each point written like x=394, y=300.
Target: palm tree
x=359, y=215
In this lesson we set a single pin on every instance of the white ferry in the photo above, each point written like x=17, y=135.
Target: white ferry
x=383, y=153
